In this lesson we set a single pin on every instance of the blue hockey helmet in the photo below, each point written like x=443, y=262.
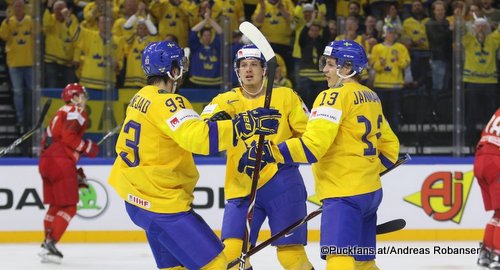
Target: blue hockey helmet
x=249, y=51
x=346, y=52
x=159, y=58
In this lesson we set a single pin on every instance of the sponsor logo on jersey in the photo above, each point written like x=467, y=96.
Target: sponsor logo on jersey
x=138, y=201
x=181, y=117
x=209, y=109
x=174, y=122
x=232, y=101
x=327, y=113
x=93, y=201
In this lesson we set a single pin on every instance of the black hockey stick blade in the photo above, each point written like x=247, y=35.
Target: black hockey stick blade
x=400, y=161
x=391, y=226
x=30, y=133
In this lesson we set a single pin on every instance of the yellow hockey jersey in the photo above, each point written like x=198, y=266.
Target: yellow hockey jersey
x=134, y=75
x=343, y=7
x=59, y=38
x=172, y=19
x=397, y=58
x=292, y=123
x=480, y=62
x=18, y=36
x=348, y=139
x=93, y=48
x=154, y=168
x=119, y=29
x=415, y=29
x=233, y=9
x=275, y=27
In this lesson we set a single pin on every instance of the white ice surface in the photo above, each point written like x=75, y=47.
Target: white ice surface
x=125, y=256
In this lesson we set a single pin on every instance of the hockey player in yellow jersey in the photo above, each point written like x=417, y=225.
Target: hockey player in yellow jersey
x=349, y=142
x=155, y=172
x=281, y=195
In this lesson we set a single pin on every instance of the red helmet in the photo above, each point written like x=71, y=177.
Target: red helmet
x=71, y=90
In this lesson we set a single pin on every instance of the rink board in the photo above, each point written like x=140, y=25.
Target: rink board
x=438, y=197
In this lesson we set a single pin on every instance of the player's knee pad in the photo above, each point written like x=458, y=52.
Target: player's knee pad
x=366, y=265
x=334, y=262
x=232, y=250
x=293, y=257
x=219, y=262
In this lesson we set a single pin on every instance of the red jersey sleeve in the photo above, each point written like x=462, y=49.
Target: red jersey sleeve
x=66, y=130
x=491, y=133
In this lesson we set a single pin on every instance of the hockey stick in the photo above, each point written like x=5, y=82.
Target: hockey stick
x=387, y=227
x=103, y=139
x=30, y=133
x=109, y=134
x=256, y=37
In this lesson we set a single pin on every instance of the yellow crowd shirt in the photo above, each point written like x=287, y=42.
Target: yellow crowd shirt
x=343, y=7
x=59, y=37
x=172, y=19
x=300, y=22
x=347, y=139
x=480, y=61
x=233, y=9
x=275, y=27
x=19, y=41
x=93, y=48
x=134, y=75
x=91, y=13
x=154, y=168
x=415, y=29
x=121, y=31
x=390, y=75
x=292, y=123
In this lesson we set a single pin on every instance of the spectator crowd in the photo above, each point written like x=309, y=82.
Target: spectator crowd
x=410, y=44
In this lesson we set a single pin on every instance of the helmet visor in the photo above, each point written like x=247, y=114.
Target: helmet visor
x=322, y=63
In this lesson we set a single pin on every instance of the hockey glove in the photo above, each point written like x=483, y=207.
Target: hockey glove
x=82, y=179
x=222, y=115
x=260, y=121
x=248, y=160
x=90, y=149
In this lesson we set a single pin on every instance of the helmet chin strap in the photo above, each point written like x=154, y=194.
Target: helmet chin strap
x=342, y=77
x=250, y=93
x=246, y=90
x=175, y=80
